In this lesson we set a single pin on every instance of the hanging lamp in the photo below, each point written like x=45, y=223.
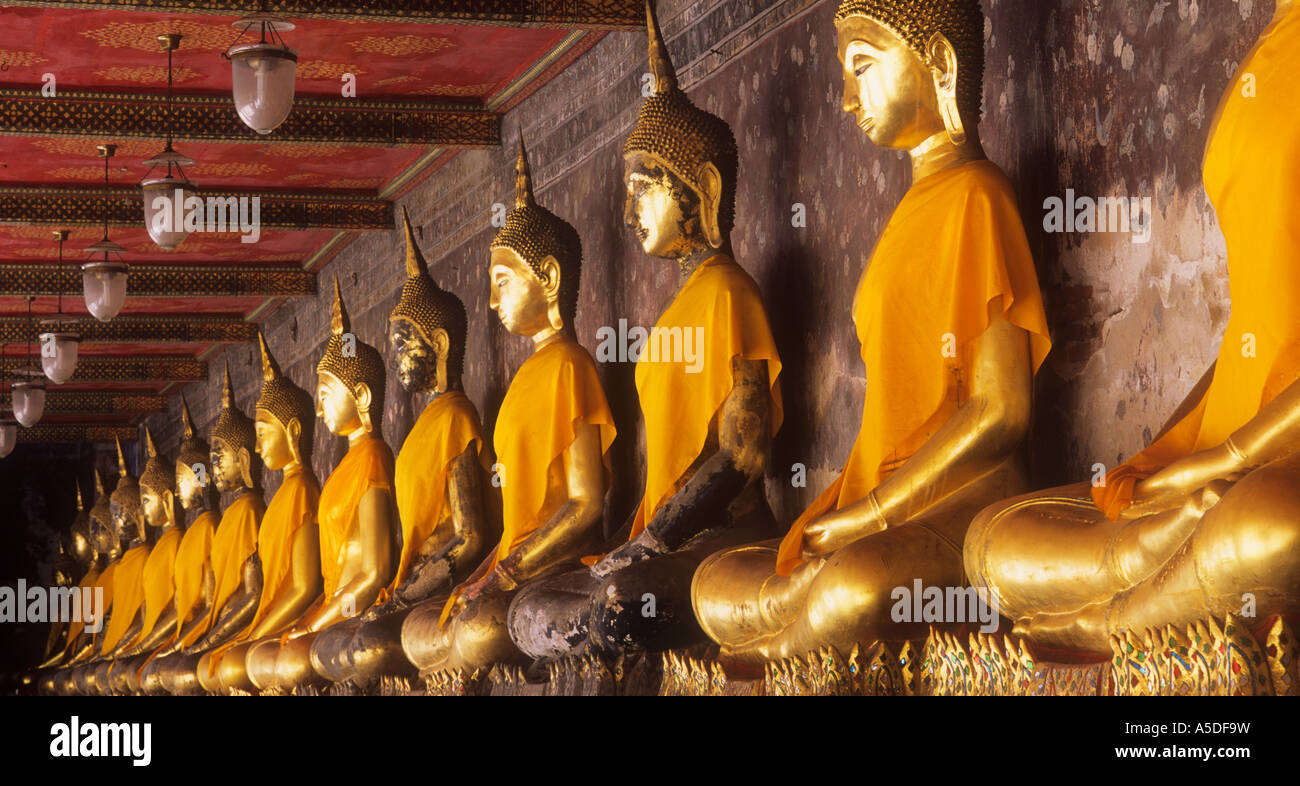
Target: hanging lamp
x=262, y=74
x=58, y=343
x=164, y=197
x=104, y=281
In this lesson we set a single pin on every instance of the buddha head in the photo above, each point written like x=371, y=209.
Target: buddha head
x=193, y=465
x=102, y=538
x=157, y=487
x=427, y=328
x=680, y=167
x=124, y=503
x=349, y=378
x=79, y=545
x=284, y=418
x=234, y=464
x=536, y=264
x=912, y=68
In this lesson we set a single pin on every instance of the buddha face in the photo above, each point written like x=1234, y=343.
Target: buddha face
x=414, y=361
x=124, y=524
x=229, y=466
x=336, y=405
x=189, y=485
x=156, y=506
x=520, y=298
x=274, y=442
x=101, y=539
x=887, y=88
x=82, y=549
x=660, y=209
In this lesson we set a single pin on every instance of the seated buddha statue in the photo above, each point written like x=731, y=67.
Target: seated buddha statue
x=168, y=670
x=357, y=517
x=439, y=477
x=288, y=545
x=71, y=565
x=949, y=352
x=1206, y=520
x=82, y=639
x=709, y=419
x=156, y=616
x=233, y=555
x=552, y=438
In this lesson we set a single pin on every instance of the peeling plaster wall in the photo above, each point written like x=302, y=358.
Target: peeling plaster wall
x=1105, y=97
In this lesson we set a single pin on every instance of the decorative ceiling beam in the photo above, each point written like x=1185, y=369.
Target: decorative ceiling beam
x=191, y=280
x=333, y=121
x=56, y=206
x=143, y=330
x=77, y=432
x=101, y=403
x=565, y=14
x=153, y=369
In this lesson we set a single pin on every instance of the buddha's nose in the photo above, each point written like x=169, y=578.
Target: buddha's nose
x=850, y=102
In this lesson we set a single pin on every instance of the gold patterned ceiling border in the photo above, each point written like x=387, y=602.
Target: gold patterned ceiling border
x=129, y=369
x=65, y=433
x=85, y=402
x=190, y=280
x=115, y=116
x=566, y=14
x=284, y=210
x=144, y=330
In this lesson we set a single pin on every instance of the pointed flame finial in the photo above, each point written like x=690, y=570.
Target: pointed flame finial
x=149, y=450
x=227, y=390
x=415, y=264
x=187, y=422
x=270, y=369
x=339, y=322
x=661, y=65
x=121, y=459
x=523, y=177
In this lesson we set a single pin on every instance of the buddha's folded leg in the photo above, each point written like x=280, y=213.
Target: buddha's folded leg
x=423, y=642
x=329, y=650
x=207, y=676
x=850, y=600
x=151, y=679
x=259, y=663
x=1243, y=558
x=101, y=685
x=180, y=677
x=293, y=667
x=738, y=596
x=232, y=672
x=480, y=636
x=375, y=650
x=549, y=616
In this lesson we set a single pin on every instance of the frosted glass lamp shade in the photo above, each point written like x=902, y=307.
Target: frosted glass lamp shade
x=164, y=210
x=58, y=356
x=104, y=285
x=29, y=402
x=261, y=78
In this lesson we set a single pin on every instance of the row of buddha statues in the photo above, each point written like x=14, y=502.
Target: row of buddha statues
x=463, y=552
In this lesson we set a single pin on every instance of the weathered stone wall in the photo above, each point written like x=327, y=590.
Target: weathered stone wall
x=1105, y=97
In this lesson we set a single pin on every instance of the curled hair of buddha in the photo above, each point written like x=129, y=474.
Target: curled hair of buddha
x=127, y=493
x=194, y=450
x=157, y=476
x=533, y=232
x=284, y=401
x=426, y=307
x=679, y=134
x=233, y=428
x=916, y=21
x=352, y=361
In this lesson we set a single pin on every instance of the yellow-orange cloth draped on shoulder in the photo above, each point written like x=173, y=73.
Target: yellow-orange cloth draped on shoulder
x=159, y=579
x=554, y=391
x=192, y=558
x=128, y=594
x=1250, y=175
x=76, y=625
x=233, y=543
x=684, y=373
x=293, y=507
x=367, y=465
x=446, y=428
x=953, y=251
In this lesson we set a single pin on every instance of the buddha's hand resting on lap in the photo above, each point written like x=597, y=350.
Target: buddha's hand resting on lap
x=639, y=549
x=837, y=529
x=1170, y=487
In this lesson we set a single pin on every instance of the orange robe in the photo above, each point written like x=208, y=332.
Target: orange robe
x=233, y=543
x=554, y=392
x=192, y=559
x=954, y=246
x=446, y=428
x=75, y=626
x=128, y=594
x=367, y=465
x=1250, y=173
x=159, y=579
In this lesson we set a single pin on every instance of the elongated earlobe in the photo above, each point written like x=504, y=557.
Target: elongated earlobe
x=943, y=67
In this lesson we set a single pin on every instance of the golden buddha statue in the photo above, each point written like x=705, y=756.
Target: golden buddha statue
x=1206, y=520
x=169, y=670
x=357, y=515
x=950, y=357
x=71, y=565
x=233, y=555
x=440, y=475
x=288, y=545
x=106, y=549
x=709, y=419
x=552, y=436
x=128, y=578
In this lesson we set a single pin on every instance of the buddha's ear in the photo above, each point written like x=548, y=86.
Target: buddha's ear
x=169, y=504
x=294, y=431
x=710, y=181
x=550, y=279
x=246, y=467
x=363, y=397
x=441, y=346
x=942, y=61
